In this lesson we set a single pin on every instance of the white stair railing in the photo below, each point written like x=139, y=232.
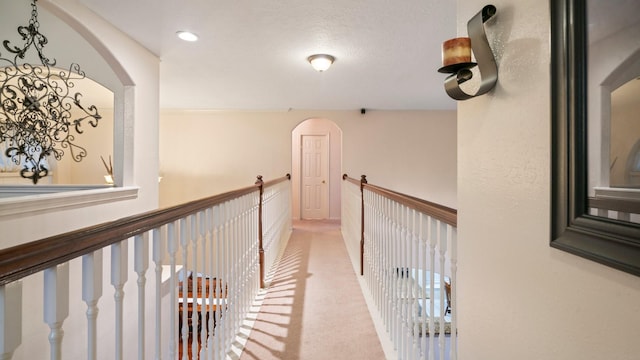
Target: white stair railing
x=276, y=218
x=408, y=251
x=205, y=276
x=616, y=203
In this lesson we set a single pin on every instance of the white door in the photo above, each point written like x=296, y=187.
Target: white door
x=315, y=177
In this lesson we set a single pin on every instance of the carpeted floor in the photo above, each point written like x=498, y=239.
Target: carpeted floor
x=314, y=308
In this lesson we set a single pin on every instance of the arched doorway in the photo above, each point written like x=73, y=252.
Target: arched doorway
x=316, y=168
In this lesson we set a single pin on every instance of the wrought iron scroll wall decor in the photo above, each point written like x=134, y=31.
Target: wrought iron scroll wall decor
x=461, y=70
x=40, y=115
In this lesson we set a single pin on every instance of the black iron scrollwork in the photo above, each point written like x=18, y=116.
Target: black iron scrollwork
x=484, y=57
x=39, y=112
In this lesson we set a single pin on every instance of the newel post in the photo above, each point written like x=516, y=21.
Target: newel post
x=363, y=180
x=260, y=185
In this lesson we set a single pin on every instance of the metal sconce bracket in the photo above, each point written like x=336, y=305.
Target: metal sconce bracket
x=484, y=56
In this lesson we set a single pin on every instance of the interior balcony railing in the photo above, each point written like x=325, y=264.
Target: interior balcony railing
x=616, y=203
x=407, y=252
x=208, y=258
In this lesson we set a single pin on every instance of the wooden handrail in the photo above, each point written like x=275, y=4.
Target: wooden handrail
x=437, y=211
x=351, y=180
x=620, y=205
x=276, y=181
x=23, y=260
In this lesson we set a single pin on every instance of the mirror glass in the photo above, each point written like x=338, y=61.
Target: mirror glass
x=624, y=160
x=613, y=104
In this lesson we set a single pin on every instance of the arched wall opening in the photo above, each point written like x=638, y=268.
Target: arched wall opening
x=332, y=132
x=111, y=73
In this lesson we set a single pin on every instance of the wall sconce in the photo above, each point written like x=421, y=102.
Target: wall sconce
x=321, y=62
x=456, y=58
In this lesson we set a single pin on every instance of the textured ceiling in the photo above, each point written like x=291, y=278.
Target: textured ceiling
x=252, y=53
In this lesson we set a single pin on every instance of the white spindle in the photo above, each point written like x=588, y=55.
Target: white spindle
x=443, y=250
x=218, y=223
x=119, y=276
x=141, y=264
x=91, y=293
x=172, y=248
x=415, y=271
x=184, y=242
x=433, y=238
x=56, y=305
x=10, y=319
x=624, y=216
x=193, y=235
x=159, y=240
x=204, y=296
x=227, y=271
x=424, y=246
x=454, y=307
x=212, y=281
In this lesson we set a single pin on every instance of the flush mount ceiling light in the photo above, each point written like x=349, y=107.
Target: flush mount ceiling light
x=187, y=36
x=321, y=62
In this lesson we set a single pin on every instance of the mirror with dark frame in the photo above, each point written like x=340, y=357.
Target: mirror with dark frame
x=595, y=101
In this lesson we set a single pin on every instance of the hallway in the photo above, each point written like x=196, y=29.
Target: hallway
x=314, y=308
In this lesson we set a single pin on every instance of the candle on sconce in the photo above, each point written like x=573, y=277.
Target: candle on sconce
x=456, y=51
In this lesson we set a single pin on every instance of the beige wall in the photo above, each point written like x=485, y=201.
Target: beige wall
x=517, y=297
x=207, y=152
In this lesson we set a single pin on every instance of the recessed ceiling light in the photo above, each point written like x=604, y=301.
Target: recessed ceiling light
x=187, y=36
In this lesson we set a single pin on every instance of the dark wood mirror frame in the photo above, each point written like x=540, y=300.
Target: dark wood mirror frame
x=610, y=242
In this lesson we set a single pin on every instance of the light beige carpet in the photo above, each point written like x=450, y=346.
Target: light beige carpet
x=314, y=308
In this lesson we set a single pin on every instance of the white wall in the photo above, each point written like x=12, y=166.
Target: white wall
x=517, y=297
x=207, y=152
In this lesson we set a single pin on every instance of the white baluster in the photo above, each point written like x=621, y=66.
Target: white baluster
x=212, y=282
x=433, y=238
x=141, y=264
x=159, y=240
x=624, y=216
x=119, y=276
x=205, y=278
x=402, y=242
x=443, y=250
x=415, y=271
x=233, y=265
x=218, y=258
x=424, y=246
x=172, y=247
x=10, y=318
x=91, y=293
x=56, y=305
x=193, y=235
x=454, y=308
x=184, y=242
x=229, y=267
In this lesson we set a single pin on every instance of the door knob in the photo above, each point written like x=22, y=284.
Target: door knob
x=323, y=181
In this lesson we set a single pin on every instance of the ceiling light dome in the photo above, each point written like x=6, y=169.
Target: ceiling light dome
x=321, y=62
x=187, y=36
